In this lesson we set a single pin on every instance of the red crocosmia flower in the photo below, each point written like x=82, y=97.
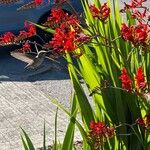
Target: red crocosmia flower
x=140, y=34
x=137, y=3
x=31, y=30
x=101, y=13
x=94, y=10
x=26, y=47
x=97, y=128
x=140, y=80
x=58, y=15
x=144, y=122
x=63, y=40
x=38, y=2
x=68, y=39
x=7, y=37
x=99, y=133
x=134, y=4
x=69, y=45
x=126, y=32
x=136, y=34
x=23, y=35
x=125, y=80
x=105, y=11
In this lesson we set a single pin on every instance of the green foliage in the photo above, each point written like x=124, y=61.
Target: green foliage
x=27, y=143
x=100, y=67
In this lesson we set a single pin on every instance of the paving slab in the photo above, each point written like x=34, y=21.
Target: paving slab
x=24, y=103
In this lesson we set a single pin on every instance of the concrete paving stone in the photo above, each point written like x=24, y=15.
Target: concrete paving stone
x=5, y=124
x=34, y=112
x=12, y=135
x=26, y=104
x=2, y=139
x=2, y=116
x=7, y=104
x=5, y=146
x=34, y=96
x=9, y=113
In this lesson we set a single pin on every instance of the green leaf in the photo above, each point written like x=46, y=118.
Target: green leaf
x=28, y=141
x=83, y=133
x=88, y=113
x=69, y=136
x=24, y=143
x=44, y=138
x=47, y=29
x=55, y=141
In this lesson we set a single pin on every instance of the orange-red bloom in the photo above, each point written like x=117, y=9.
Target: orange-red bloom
x=63, y=40
x=140, y=80
x=133, y=4
x=38, y=2
x=99, y=133
x=26, y=47
x=140, y=34
x=67, y=39
x=7, y=37
x=125, y=80
x=58, y=15
x=101, y=13
x=126, y=32
x=144, y=122
x=136, y=34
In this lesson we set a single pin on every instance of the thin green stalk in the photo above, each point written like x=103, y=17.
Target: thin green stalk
x=55, y=143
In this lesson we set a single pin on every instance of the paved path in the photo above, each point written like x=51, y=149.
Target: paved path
x=24, y=103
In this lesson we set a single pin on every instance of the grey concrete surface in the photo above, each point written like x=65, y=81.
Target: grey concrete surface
x=24, y=103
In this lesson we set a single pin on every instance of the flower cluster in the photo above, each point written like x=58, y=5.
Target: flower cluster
x=25, y=48
x=140, y=80
x=10, y=38
x=144, y=122
x=127, y=82
x=63, y=40
x=67, y=39
x=38, y=2
x=68, y=35
x=102, y=13
x=133, y=4
x=58, y=17
x=137, y=34
x=99, y=133
x=30, y=31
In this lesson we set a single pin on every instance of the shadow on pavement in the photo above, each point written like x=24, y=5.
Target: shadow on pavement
x=12, y=69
